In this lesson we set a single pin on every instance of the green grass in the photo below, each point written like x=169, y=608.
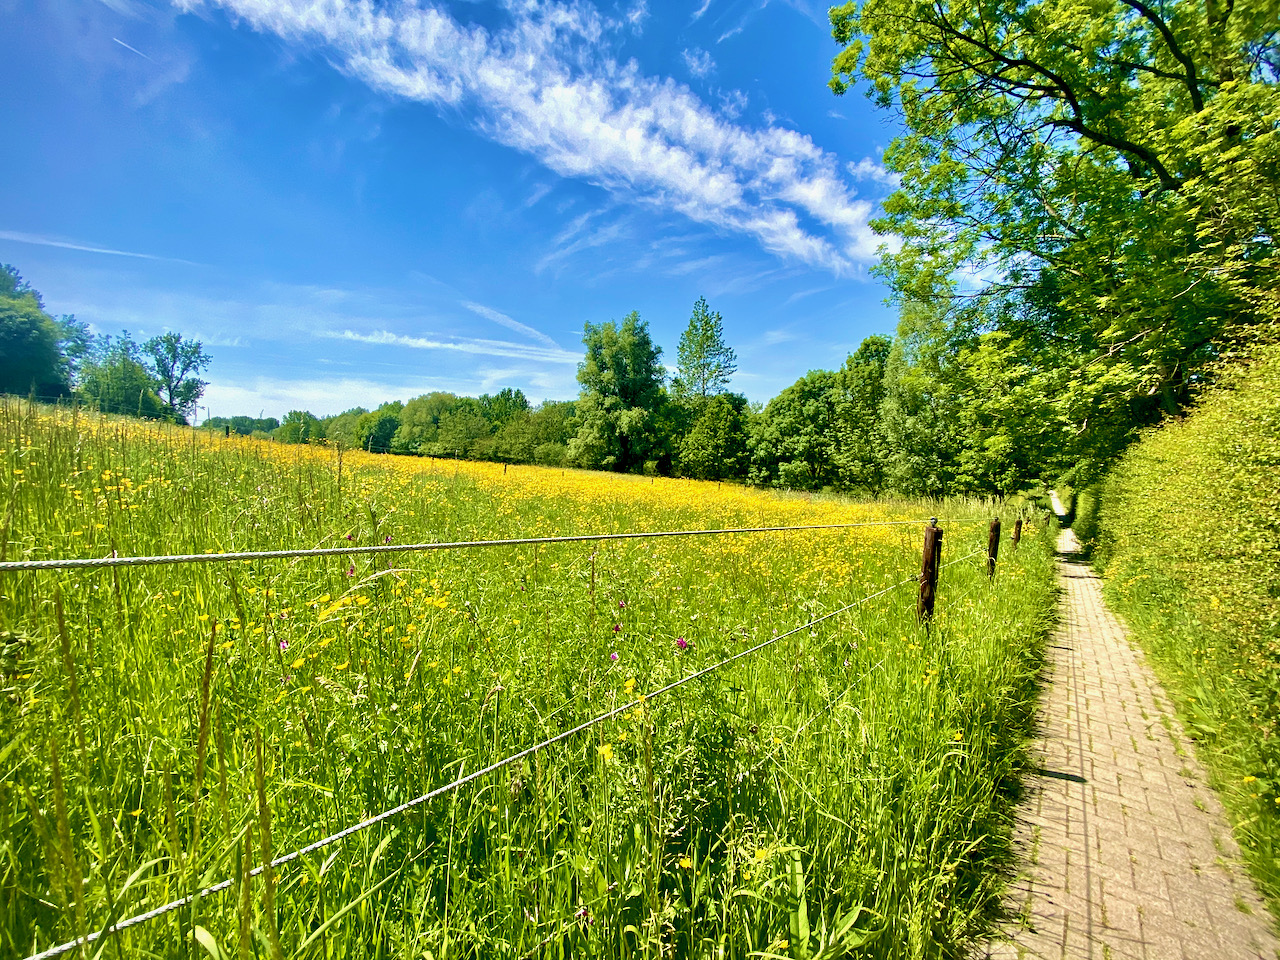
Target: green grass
x=848, y=785
x=1185, y=531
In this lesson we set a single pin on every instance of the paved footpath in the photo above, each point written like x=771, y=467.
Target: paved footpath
x=1126, y=849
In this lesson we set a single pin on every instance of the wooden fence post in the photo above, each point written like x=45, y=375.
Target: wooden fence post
x=929, y=571
x=1017, y=533
x=993, y=547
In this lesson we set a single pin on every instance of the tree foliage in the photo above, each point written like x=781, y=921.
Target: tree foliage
x=30, y=357
x=705, y=362
x=621, y=396
x=176, y=364
x=1105, y=173
x=117, y=379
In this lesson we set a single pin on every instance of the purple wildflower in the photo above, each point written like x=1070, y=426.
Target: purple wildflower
x=614, y=656
x=284, y=645
x=622, y=604
x=617, y=628
x=351, y=570
x=350, y=536
x=682, y=643
x=388, y=540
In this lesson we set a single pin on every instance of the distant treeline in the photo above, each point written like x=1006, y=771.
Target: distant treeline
x=58, y=358
x=894, y=417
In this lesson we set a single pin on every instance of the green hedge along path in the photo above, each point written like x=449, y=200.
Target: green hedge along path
x=1127, y=852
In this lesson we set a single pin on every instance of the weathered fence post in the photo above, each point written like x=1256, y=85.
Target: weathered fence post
x=1017, y=533
x=929, y=570
x=993, y=547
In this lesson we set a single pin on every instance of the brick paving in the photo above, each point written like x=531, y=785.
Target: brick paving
x=1126, y=851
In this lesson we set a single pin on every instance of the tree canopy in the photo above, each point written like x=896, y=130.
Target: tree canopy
x=176, y=364
x=622, y=394
x=1096, y=180
x=31, y=360
x=705, y=362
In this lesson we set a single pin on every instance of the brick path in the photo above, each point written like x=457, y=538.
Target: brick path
x=1126, y=850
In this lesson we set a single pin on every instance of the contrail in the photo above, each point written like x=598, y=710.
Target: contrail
x=134, y=49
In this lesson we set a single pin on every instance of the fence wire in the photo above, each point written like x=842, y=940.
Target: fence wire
x=173, y=905
x=9, y=566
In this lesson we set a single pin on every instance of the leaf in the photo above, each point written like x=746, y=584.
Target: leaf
x=206, y=940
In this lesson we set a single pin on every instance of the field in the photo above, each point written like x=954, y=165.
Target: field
x=846, y=789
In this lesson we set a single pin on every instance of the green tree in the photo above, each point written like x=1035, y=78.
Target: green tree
x=75, y=342
x=375, y=431
x=176, y=364
x=918, y=415
x=621, y=397
x=420, y=421
x=715, y=447
x=705, y=362
x=503, y=406
x=858, y=448
x=461, y=432
x=29, y=358
x=1110, y=172
x=298, y=426
x=117, y=378
x=343, y=429
x=793, y=443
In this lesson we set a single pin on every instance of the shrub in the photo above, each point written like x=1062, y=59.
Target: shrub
x=1187, y=537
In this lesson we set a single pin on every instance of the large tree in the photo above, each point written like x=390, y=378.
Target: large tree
x=31, y=360
x=1104, y=173
x=705, y=362
x=177, y=364
x=118, y=380
x=621, y=397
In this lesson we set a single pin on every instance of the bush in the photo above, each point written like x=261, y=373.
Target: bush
x=551, y=454
x=1187, y=538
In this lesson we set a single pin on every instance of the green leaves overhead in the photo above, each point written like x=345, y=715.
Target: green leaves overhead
x=1097, y=178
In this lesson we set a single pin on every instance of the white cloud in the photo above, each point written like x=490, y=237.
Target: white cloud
x=32, y=238
x=637, y=15
x=503, y=320
x=486, y=348
x=868, y=169
x=698, y=61
x=697, y=14
x=323, y=397
x=132, y=49
x=548, y=85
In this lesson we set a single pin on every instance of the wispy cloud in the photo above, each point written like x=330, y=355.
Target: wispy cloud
x=484, y=348
x=868, y=169
x=548, y=84
x=32, y=238
x=583, y=234
x=637, y=15
x=698, y=61
x=697, y=14
x=132, y=49
x=503, y=320
x=274, y=397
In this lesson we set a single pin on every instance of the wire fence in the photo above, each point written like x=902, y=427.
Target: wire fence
x=117, y=561
x=9, y=566
x=462, y=781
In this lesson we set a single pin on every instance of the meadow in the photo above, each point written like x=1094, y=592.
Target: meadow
x=846, y=790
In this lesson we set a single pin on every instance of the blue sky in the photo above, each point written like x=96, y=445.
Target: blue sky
x=356, y=202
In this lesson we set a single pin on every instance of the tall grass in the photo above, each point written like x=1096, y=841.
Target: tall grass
x=165, y=727
x=1186, y=530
